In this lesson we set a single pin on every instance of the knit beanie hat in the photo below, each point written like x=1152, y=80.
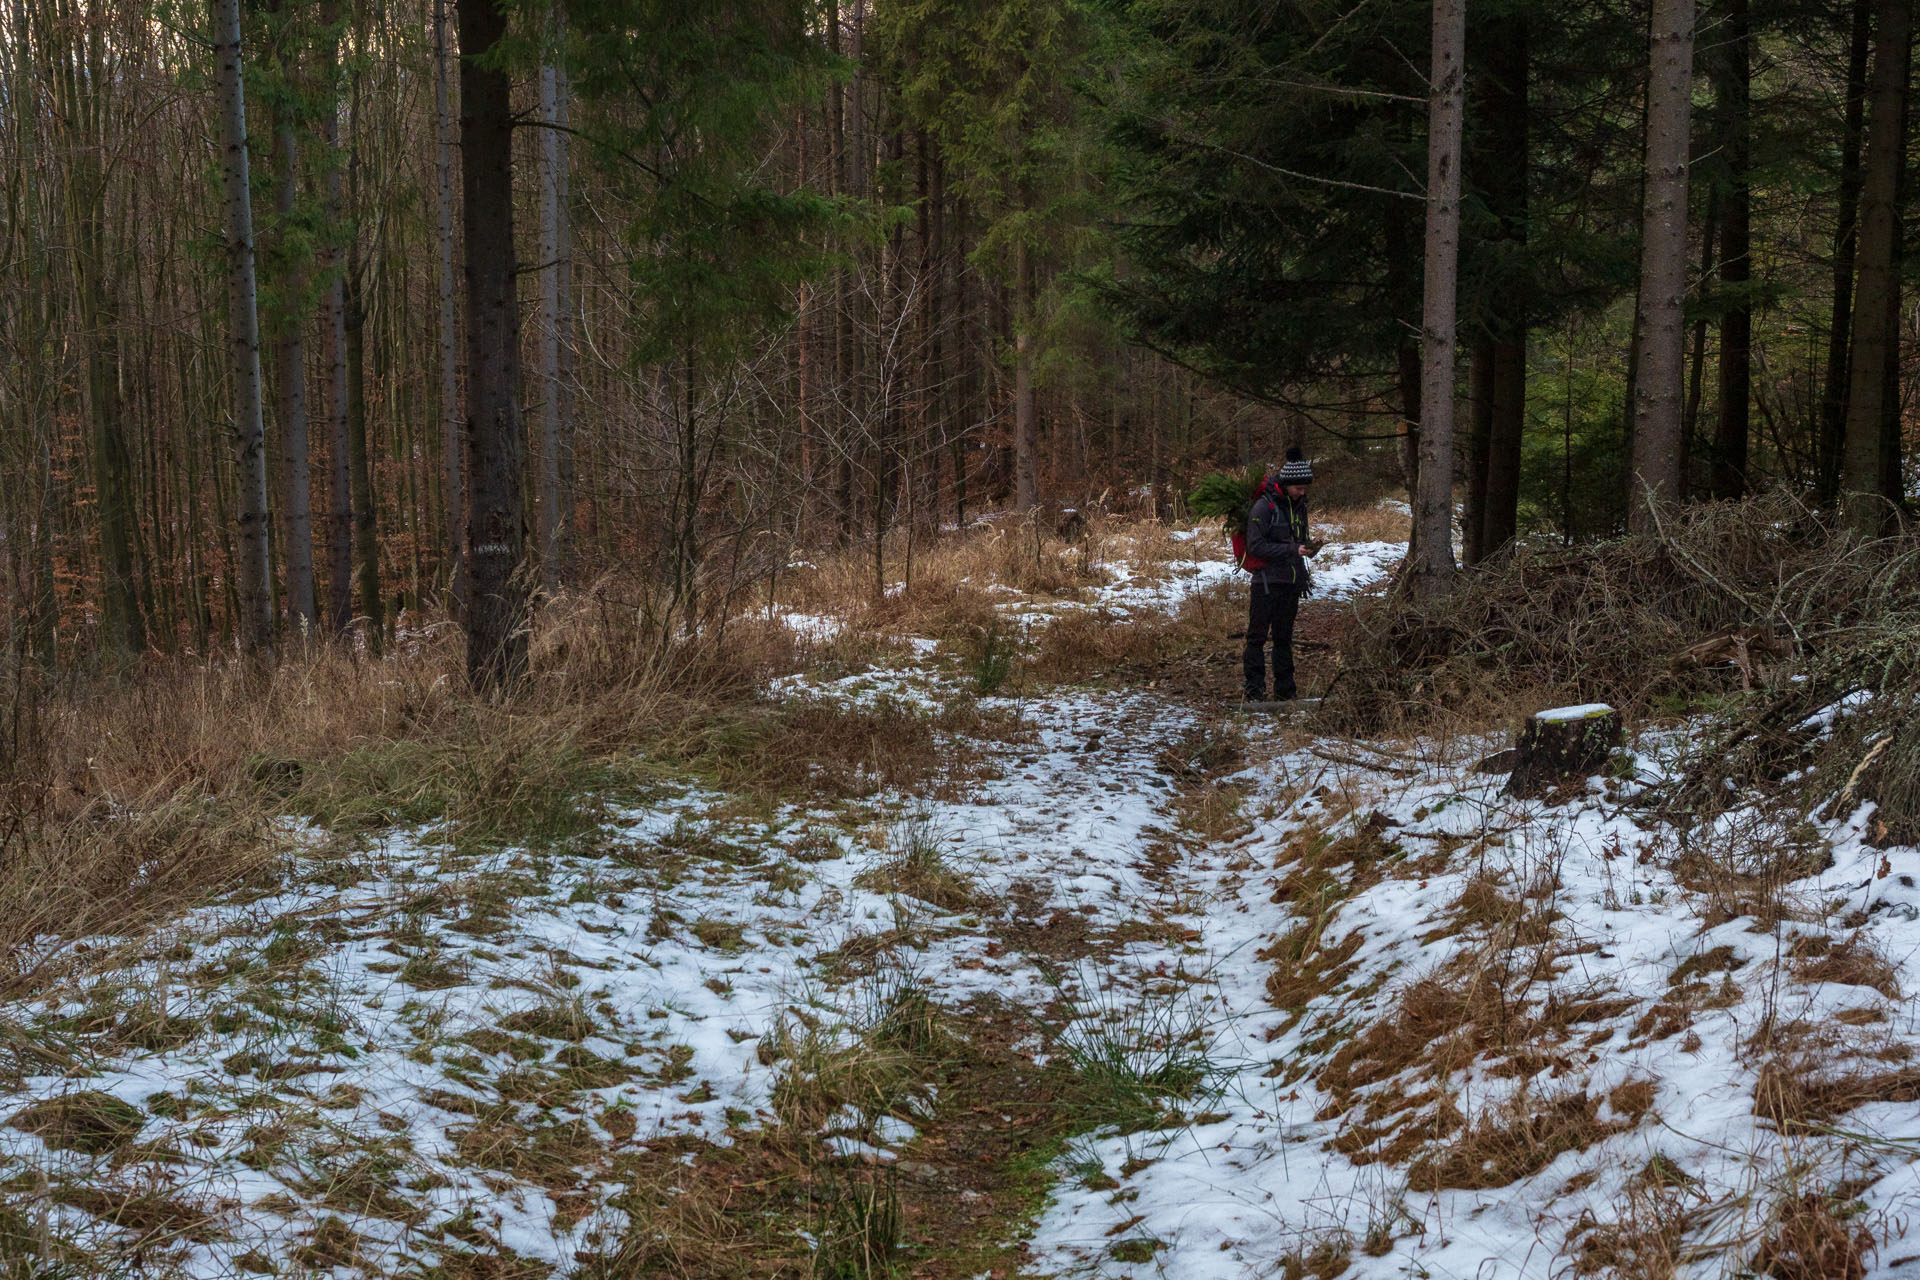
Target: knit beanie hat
x=1297, y=469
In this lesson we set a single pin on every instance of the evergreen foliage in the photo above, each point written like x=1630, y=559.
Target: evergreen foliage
x=1227, y=495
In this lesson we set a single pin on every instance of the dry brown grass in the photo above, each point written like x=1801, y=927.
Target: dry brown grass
x=1856, y=962
x=1090, y=647
x=1747, y=865
x=1795, y=1090
x=1523, y=1136
x=1645, y=1240
x=1393, y=1080
x=949, y=587
x=1321, y=873
x=124, y=798
x=1814, y=1237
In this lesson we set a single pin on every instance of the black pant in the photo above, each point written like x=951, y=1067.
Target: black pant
x=1270, y=609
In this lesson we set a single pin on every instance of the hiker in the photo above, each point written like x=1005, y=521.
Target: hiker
x=1277, y=547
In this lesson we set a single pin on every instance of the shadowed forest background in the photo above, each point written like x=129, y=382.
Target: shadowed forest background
x=786, y=275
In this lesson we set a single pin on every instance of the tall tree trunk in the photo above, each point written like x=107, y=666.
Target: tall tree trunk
x=339, y=444
x=290, y=362
x=79, y=85
x=1875, y=325
x=555, y=499
x=251, y=573
x=453, y=480
x=1401, y=264
x=1732, y=94
x=1892, y=422
x=366, y=529
x=1659, y=446
x=1697, y=363
x=1026, y=432
x=1833, y=393
x=35, y=428
x=1431, y=561
x=496, y=521
x=1501, y=521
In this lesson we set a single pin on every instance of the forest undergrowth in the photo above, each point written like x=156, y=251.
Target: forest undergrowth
x=962, y=928
x=1792, y=644
x=124, y=794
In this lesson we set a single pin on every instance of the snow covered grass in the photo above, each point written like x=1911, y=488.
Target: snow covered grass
x=513, y=956
x=1502, y=1038
x=872, y=967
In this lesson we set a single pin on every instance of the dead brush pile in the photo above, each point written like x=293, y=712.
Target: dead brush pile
x=1802, y=640
x=1609, y=621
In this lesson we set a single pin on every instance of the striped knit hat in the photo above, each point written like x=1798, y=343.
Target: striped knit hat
x=1297, y=469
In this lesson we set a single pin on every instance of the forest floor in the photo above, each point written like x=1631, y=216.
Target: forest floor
x=1134, y=983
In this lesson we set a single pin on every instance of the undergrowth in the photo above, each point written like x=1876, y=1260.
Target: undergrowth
x=125, y=798
x=1797, y=640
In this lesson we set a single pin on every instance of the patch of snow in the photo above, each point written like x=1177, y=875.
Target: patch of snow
x=1585, y=711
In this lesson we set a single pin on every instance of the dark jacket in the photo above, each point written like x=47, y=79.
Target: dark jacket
x=1276, y=527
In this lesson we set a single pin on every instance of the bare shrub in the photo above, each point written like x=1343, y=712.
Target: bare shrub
x=1743, y=863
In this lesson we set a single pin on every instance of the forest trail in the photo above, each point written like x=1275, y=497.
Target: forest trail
x=1138, y=985
x=422, y=1057
x=411, y=1055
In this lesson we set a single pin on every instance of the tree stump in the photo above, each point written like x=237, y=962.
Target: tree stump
x=1563, y=745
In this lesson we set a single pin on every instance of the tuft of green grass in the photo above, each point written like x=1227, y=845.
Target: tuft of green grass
x=1128, y=1065
x=993, y=663
x=918, y=865
x=857, y=1223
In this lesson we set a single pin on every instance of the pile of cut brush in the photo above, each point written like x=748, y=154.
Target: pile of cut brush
x=1802, y=640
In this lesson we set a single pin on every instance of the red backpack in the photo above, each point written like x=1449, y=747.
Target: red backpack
x=1238, y=538
x=1252, y=564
